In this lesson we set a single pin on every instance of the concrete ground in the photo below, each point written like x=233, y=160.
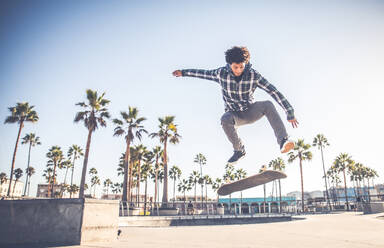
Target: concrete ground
x=352, y=230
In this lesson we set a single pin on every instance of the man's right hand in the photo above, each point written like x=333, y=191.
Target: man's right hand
x=177, y=73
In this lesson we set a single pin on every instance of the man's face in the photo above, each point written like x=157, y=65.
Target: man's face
x=237, y=69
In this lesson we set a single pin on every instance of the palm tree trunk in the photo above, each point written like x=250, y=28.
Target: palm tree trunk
x=302, y=183
x=206, y=197
x=165, y=187
x=65, y=177
x=354, y=181
x=127, y=175
x=145, y=198
x=49, y=186
x=202, y=187
x=29, y=184
x=14, y=158
x=325, y=178
x=241, y=202
x=195, y=193
x=13, y=191
x=280, y=208
x=337, y=193
x=369, y=194
x=73, y=167
x=174, y=191
x=156, y=179
x=54, y=180
x=138, y=182
x=85, y=163
x=265, y=192
x=345, y=190
x=184, y=201
x=26, y=176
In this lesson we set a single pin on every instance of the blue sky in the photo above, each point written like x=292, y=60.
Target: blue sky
x=325, y=57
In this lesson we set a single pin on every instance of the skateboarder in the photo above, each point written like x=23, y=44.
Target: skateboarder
x=238, y=81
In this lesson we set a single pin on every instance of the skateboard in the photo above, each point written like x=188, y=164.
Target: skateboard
x=252, y=181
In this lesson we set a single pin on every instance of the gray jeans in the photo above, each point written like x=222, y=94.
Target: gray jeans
x=231, y=120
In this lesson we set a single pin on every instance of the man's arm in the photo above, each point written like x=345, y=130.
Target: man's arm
x=279, y=98
x=204, y=74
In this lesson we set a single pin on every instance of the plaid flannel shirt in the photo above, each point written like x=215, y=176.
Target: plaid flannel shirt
x=238, y=96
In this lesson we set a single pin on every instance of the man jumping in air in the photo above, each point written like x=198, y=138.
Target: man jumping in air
x=238, y=83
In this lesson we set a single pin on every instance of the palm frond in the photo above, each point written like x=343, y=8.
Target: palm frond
x=11, y=119
x=81, y=116
x=81, y=104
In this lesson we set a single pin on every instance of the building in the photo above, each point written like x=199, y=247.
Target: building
x=190, y=198
x=258, y=205
x=16, y=190
x=134, y=198
x=58, y=189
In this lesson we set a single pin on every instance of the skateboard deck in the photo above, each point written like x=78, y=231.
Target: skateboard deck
x=250, y=182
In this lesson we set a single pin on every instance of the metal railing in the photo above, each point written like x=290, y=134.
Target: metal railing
x=195, y=209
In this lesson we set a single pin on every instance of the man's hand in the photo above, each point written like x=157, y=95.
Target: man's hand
x=294, y=122
x=177, y=73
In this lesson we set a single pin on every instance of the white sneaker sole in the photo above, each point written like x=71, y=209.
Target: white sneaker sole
x=289, y=145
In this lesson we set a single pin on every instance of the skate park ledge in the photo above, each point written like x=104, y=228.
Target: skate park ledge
x=164, y=221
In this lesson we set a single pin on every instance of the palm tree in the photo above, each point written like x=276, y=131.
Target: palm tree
x=94, y=114
x=114, y=188
x=228, y=177
x=216, y=185
x=167, y=132
x=157, y=174
x=157, y=152
x=335, y=180
x=120, y=166
x=262, y=169
x=56, y=158
x=94, y=182
x=29, y=171
x=21, y=113
x=48, y=174
x=32, y=140
x=73, y=189
x=131, y=127
x=18, y=173
x=74, y=152
x=320, y=141
x=107, y=184
x=193, y=180
x=140, y=152
x=240, y=174
x=92, y=172
x=355, y=178
x=300, y=151
x=3, y=179
x=343, y=163
x=68, y=165
x=208, y=181
x=201, y=160
x=174, y=173
x=184, y=186
x=278, y=165
x=370, y=174
x=145, y=173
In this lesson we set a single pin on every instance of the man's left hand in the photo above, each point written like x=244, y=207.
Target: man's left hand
x=294, y=123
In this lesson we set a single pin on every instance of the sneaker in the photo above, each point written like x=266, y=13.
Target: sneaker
x=236, y=156
x=286, y=145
